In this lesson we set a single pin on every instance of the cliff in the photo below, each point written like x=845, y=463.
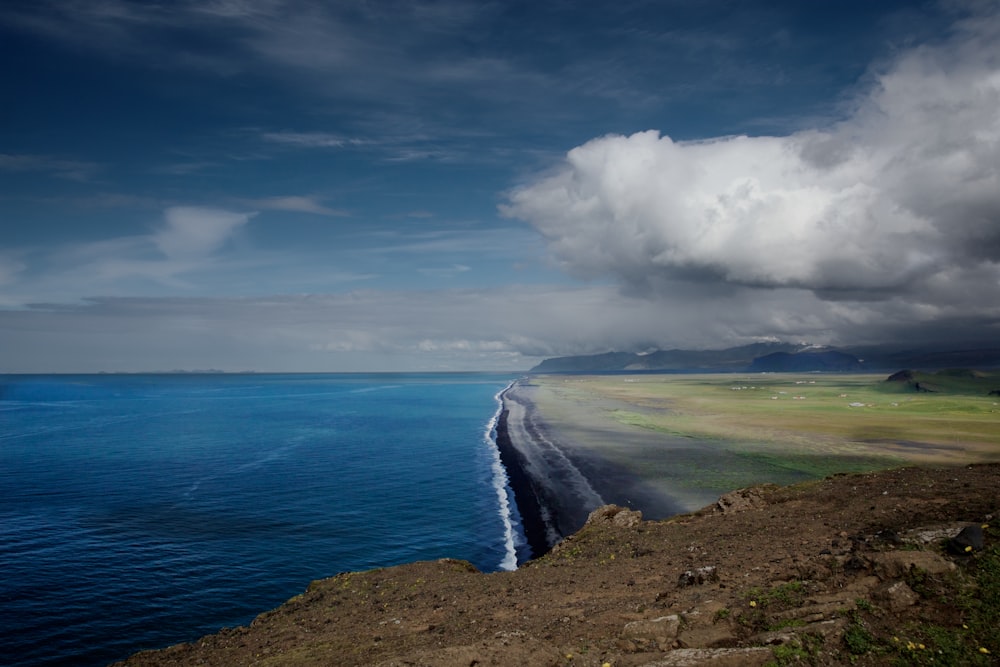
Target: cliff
x=875, y=568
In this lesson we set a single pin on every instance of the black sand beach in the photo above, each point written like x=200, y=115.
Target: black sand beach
x=557, y=482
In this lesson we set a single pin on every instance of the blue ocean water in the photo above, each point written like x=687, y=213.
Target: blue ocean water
x=138, y=511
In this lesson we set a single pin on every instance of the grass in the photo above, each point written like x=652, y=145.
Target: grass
x=794, y=653
x=759, y=602
x=972, y=594
x=787, y=418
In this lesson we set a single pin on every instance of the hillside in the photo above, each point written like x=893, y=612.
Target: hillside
x=735, y=358
x=776, y=357
x=854, y=569
x=949, y=381
x=806, y=361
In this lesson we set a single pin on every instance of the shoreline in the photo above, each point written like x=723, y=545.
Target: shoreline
x=532, y=523
x=557, y=484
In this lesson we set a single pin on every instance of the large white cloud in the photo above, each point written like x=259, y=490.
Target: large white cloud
x=899, y=202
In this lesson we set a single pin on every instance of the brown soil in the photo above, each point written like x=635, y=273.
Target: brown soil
x=765, y=568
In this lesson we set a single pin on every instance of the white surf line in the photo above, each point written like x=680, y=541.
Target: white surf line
x=501, y=484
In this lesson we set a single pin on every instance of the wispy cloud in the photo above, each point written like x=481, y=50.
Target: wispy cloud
x=193, y=232
x=75, y=170
x=297, y=204
x=310, y=139
x=188, y=243
x=10, y=267
x=445, y=271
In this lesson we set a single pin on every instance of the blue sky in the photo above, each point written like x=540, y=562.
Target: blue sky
x=280, y=185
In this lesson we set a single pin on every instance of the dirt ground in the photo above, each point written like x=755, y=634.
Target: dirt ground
x=845, y=570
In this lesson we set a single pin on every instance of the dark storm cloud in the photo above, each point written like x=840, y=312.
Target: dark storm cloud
x=892, y=213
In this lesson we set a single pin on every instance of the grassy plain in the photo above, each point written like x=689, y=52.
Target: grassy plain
x=713, y=433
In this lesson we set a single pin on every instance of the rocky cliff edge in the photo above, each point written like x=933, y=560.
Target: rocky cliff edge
x=892, y=567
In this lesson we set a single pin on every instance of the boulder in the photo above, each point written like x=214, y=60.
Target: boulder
x=742, y=500
x=698, y=576
x=895, y=564
x=615, y=516
x=896, y=596
x=968, y=539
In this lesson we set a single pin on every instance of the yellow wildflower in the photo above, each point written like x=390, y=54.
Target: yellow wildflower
x=753, y=603
x=984, y=650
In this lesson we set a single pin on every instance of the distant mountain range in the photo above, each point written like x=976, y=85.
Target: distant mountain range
x=775, y=358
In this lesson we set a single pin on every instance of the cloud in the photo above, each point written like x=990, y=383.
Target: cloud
x=192, y=232
x=297, y=204
x=74, y=170
x=896, y=208
x=452, y=271
x=458, y=329
x=189, y=242
x=308, y=139
x=10, y=268
x=508, y=328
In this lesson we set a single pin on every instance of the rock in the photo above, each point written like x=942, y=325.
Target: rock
x=824, y=629
x=968, y=539
x=698, y=577
x=715, y=657
x=616, y=516
x=742, y=499
x=704, y=633
x=662, y=630
x=927, y=535
x=896, y=596
x=894, y=564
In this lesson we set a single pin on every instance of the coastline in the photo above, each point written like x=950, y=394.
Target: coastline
x=706, y=588
x=532, y=523
x=556, y=483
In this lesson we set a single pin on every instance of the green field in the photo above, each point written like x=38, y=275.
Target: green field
x=713, y=433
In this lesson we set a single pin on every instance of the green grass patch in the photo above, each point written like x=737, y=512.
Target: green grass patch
x=795, y=653
x=975, y=592
x=842, y=416
x=858, y=639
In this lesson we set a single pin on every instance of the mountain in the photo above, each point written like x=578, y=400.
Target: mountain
x=730, y=359
x=825, y=360
x=777, y=357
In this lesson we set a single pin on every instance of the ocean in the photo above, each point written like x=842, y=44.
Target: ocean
x=138, y=511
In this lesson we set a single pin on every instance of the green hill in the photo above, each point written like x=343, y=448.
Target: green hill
x=949, y=381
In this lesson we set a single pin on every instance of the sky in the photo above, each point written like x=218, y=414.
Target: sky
x=404, y=185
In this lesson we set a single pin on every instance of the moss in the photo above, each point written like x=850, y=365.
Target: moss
x=974, y=593
x=803, y=650
x=858, y=639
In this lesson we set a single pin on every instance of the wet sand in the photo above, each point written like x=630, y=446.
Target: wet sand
x=559, y=470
